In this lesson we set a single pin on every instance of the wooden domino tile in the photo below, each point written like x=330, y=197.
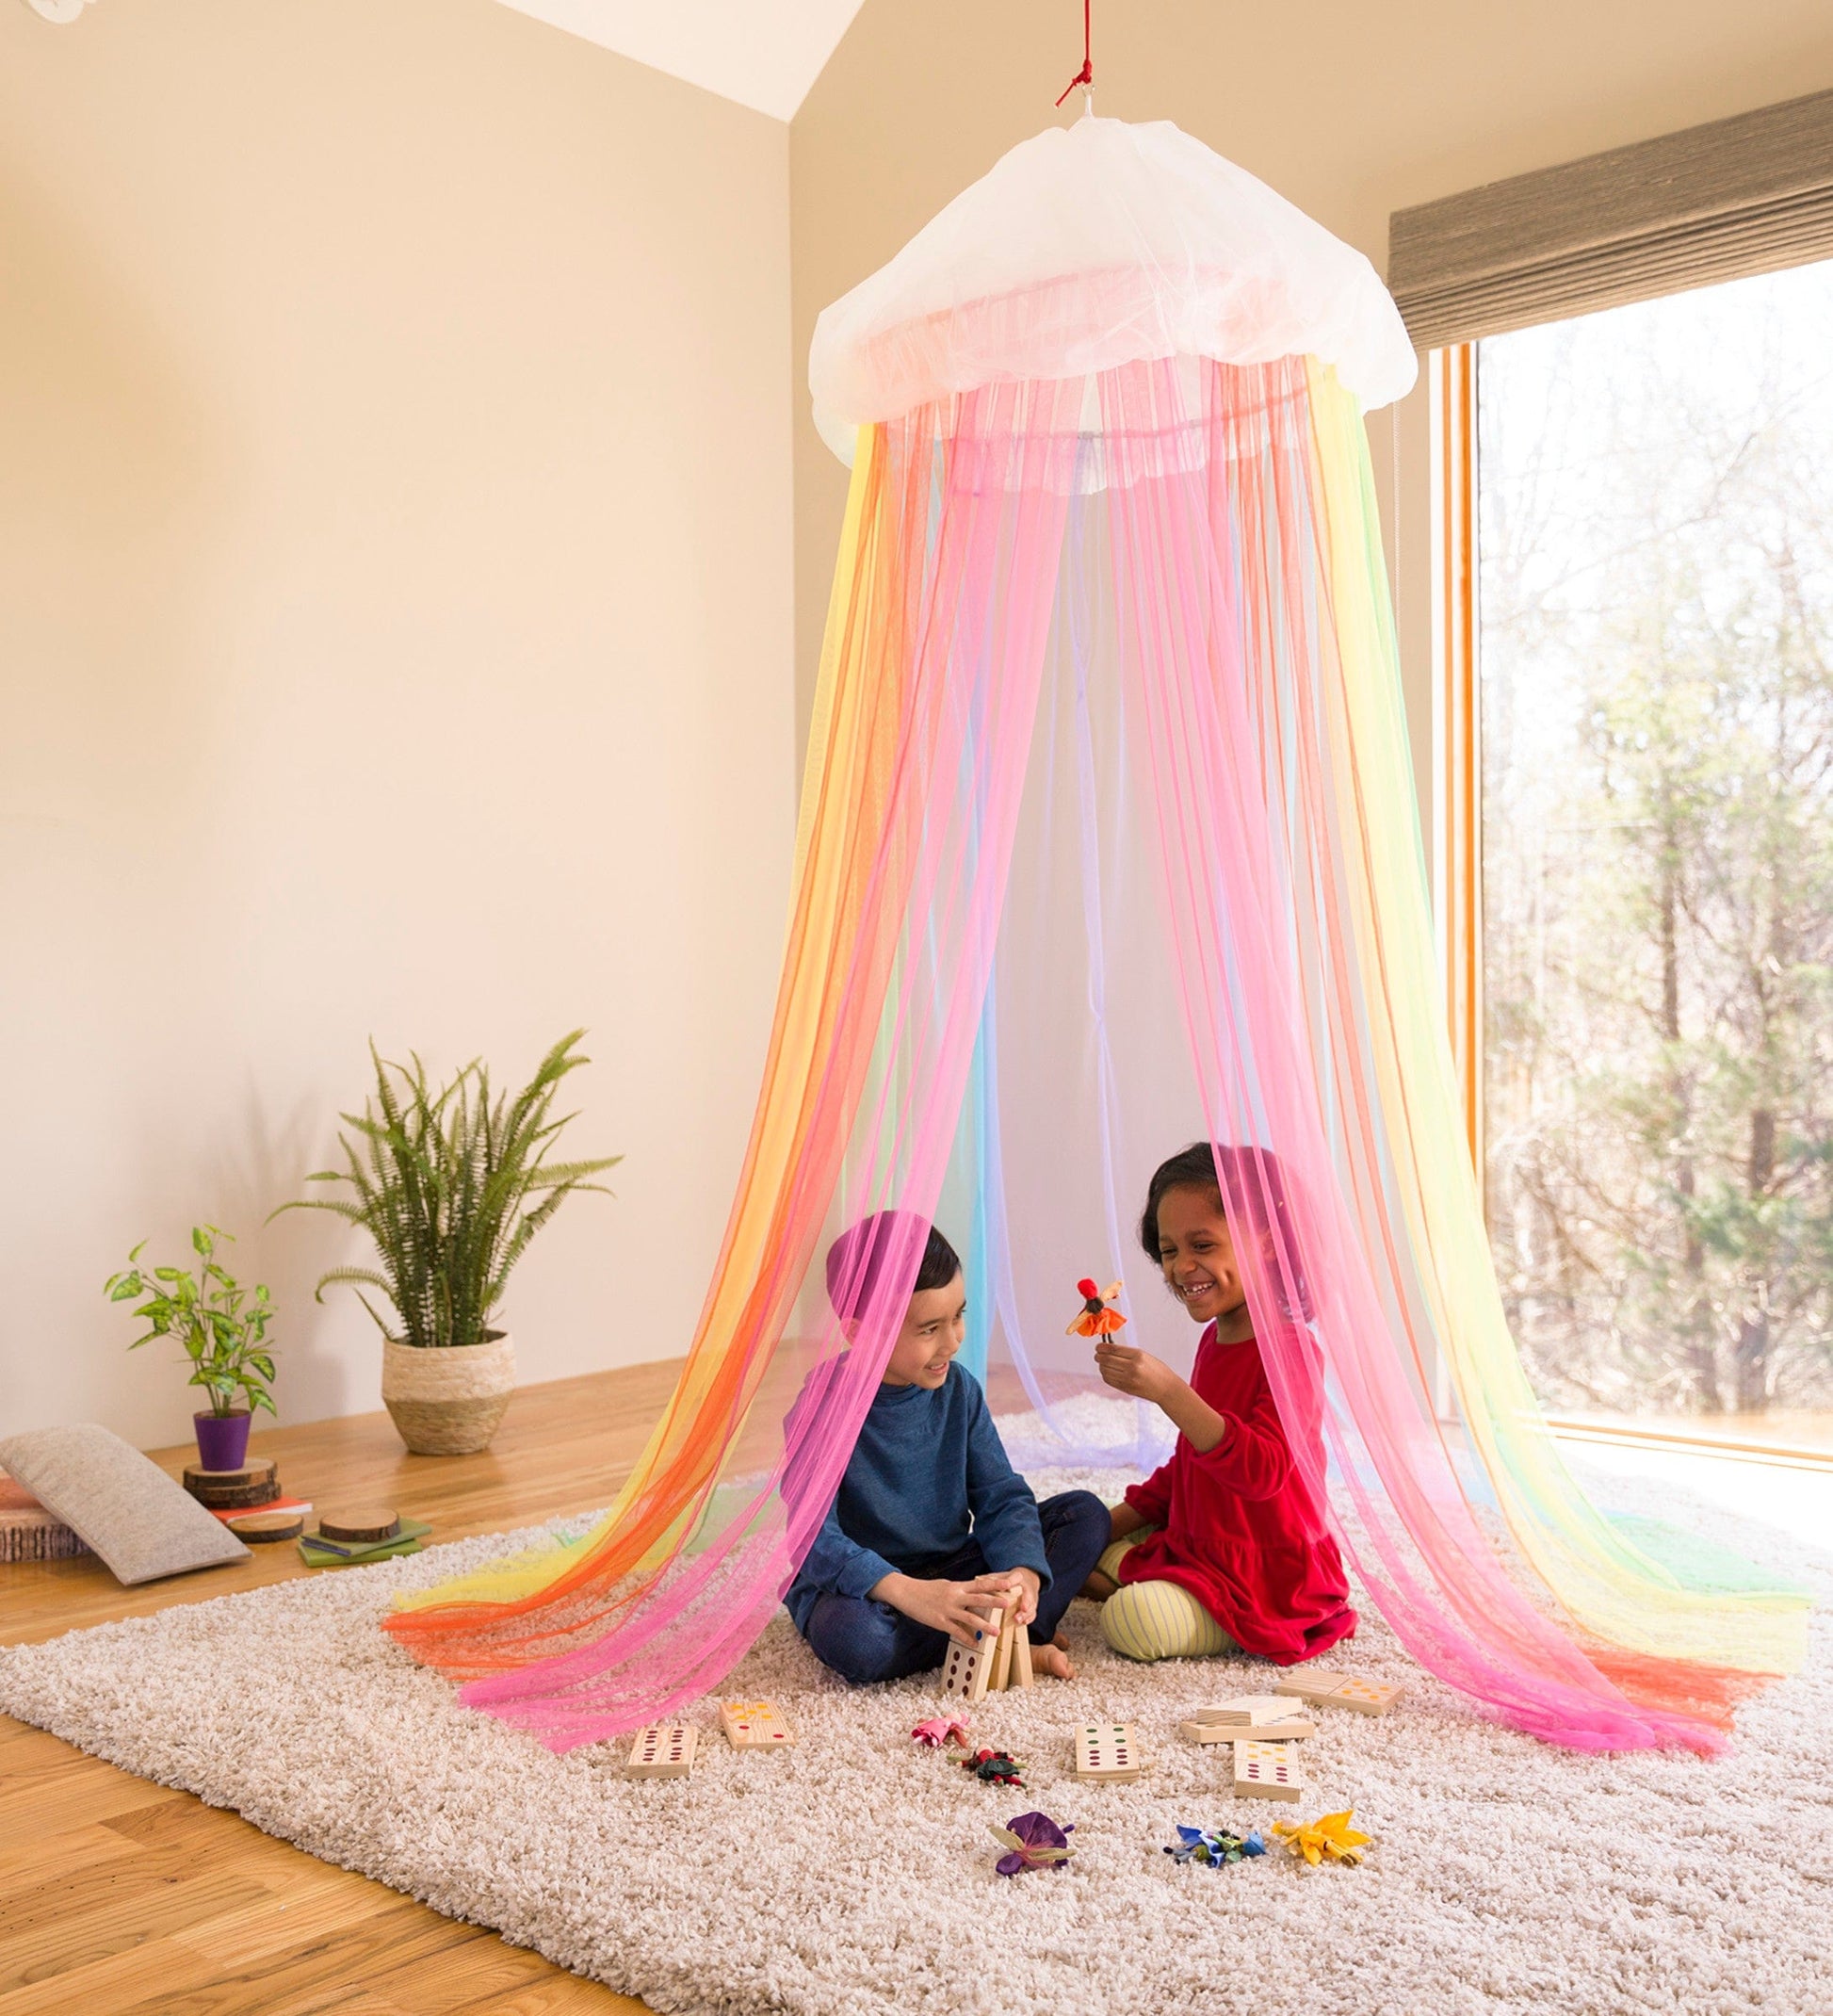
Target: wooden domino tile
x=1000, y=1677
x=1267, y=1771
x=755, y=1726
x=1247, y=1710
x=1367, y=1696
x=1021, y=1656
x=1107, y=1750
x=1311, y=1684
x=664, y=1749
x=1293, y=1730
x=966, y=1669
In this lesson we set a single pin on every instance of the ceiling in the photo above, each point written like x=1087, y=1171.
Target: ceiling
x=762, y=53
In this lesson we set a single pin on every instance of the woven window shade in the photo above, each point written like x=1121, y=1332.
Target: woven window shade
x=1742, y=195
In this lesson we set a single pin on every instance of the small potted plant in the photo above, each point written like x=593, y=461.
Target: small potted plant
x=451, y=1184
x=223, y=1328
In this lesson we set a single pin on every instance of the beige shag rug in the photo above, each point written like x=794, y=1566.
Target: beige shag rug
x=854, y=1874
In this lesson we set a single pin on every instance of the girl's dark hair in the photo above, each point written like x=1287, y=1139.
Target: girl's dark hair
x=1259, y=1186
x=861, y=1254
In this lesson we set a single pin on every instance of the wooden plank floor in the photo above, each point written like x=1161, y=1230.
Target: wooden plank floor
x=121, y=1898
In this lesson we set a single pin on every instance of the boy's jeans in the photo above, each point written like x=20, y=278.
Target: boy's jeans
x=863, y=1640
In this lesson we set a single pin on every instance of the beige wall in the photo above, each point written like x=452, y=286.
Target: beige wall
x=395, y=636
x=1350, y=109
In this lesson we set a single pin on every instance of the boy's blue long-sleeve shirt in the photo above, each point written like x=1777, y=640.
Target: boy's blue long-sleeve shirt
x=928, y=1472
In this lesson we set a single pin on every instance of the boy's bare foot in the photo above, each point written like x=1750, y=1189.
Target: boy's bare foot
x=1098, y=1587
x=1053, y=1659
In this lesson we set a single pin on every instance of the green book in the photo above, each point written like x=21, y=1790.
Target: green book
x=314, y=1554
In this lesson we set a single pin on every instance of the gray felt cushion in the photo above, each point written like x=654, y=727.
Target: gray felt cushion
x=140, y=1523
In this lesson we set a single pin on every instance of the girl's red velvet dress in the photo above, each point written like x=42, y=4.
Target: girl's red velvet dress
x=1241, y=1530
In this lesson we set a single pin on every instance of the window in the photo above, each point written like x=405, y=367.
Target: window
x=1653, y=743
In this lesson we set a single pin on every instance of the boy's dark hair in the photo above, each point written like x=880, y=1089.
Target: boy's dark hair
x=1260, y=1186
x=861, y=1254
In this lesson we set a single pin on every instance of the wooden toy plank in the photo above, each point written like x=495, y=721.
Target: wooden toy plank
x=1107, y=1750
x=1291, y=1730
x=1021, y=1656
x=1311, y=1684
x=755, y=1726
x=1247, y=1710
x=1267, y=1771
x=664, y=1749
x=1367, y=1696
x=1001, y=1678
x=966, y=1669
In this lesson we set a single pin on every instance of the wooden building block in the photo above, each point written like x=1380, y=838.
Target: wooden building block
x=1293, y=1730
x=1247, y=1710
x=1021, y=1656
x=664, y=1749
x=1000, y=1677
x=1311, y=1684
x=1367, y=1696
x=1107, y=1750
x=966, y=1669
x=1267, y=1771
x=755, y=1726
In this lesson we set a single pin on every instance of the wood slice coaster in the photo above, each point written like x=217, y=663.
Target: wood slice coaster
x=257, y=1483
x=259, y=1527
x=361, y=1524
x=257, y=1469
x=230, y=1497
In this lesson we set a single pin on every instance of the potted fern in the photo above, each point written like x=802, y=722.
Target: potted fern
x=451, y=1184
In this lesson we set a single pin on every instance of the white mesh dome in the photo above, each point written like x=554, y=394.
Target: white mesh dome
x=1095, y=245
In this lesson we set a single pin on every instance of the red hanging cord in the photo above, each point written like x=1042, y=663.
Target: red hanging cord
x=1085, y=77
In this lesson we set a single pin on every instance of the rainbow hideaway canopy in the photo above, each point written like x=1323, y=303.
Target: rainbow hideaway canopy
x=1108, y=840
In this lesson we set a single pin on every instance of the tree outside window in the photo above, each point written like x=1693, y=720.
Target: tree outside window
x=1655, y=498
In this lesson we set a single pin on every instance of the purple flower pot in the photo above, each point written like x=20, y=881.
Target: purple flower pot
x=222, y=1440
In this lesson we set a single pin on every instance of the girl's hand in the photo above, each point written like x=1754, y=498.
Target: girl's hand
x=1130, y=1370
x=1007, y=1586
x=959, y=1608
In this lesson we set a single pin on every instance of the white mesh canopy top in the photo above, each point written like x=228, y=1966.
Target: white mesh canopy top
x=1095, y=245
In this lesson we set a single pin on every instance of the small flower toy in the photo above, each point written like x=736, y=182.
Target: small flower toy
x=994, y=1768
x=1198, y=1845
x=1036, y=1842
x=1331, y=1838
x=941, y=1733
x=1096, y=1318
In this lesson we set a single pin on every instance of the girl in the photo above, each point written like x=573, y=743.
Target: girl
x=1223, y=1546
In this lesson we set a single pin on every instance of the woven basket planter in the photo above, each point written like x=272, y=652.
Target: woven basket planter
x=446, y=1400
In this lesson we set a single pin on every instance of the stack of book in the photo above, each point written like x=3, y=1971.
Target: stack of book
x=28, y=1532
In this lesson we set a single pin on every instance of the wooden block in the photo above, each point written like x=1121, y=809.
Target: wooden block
x=260, y=1528
x=1001, y=1678
x=1311, y=1684
x=755, y=1726
x=1247, y=1710
x=1021, y=1656
x=361, y=1524
x=966, y=1669
x=1107, y=1750
x=664, y=1749
x=1292, y=1730
x=1367, y=1696
x=1267, y=1771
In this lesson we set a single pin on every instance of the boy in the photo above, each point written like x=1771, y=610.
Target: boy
x=931, y=1528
